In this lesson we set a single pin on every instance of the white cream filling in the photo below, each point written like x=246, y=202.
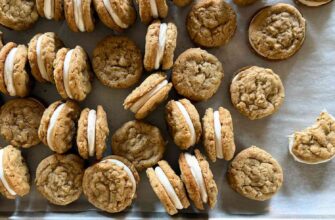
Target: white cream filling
x=49, y=7
x=188, y=121
x=3, y=177
x=51, y=125
x=140, y=102
x=161, y=44
x=40, y=62
x=8, y=73
x=168, y=187
x=78, y=15
x=91, y=120
x=113, y=14
x=193, y=163
x=154, y=9
x=66, y=73
x=217, y=134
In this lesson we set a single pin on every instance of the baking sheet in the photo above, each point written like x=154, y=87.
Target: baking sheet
x=308, y=77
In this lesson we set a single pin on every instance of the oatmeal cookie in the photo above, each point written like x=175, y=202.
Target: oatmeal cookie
x=50, y=9
x=277, y=32
x=314, y=3
x=79, y=15
x=152, y=9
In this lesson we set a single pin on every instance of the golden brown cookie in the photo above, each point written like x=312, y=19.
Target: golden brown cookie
x=255, y=174
x=79, y=15
x=111, y=184
x=139, y=142
x=59, y=178
x=182, y=3
x=50, y=9
x=314, y=3
x=257, y=92
x=147, y=96
x=277, y=32
x=152, y=9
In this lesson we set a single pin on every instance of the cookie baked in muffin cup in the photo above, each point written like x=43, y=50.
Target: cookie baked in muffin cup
x=140, y=143
x=182, y=3
x=257, y=92
x=117, y=62
x=72, y=73
x=42, y=50
x=58, y=125
x=92, y=133
x=115, y=14
x=50, y=9
x=183, y=121
x=147, y=96
x=14, y=78
x=152, y=9
x=218, y=134
x=59, y=178
x=198, y=179
x=277, y=32
x=20, y=120
x=160, y=44
x=14, y=173
x=168, y=187
x=111, y=184
x=255, y=174
x=197, y=74
x=79, y=15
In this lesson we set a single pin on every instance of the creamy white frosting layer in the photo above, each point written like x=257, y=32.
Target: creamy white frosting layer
x=161, y=44
x=49, y=8
x=141, y=101
x=217, y=134
x=188, y=121
x=40, y=62
x=114, y=15
x=8, y=71
x=66, y=72
x=154, y=9
x=3, y=177
x=51, y=125
x=78, y=15
x=91, y=121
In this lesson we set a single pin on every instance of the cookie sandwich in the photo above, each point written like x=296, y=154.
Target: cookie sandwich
x=168, y=187
x=111, y=184
x=147, y=96
x=79, y=15
x=50, y=9
x=92, y=133
x=152, y=9
x=58, y=125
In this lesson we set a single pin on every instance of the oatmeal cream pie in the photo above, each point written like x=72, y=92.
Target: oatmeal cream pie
x=19, y=121
x=256, y=92
x=42, y=51
x=72, y=73
x=117, y=62
x=198, y=179
x=14, y=78
x=152, y=9
x=50, y=9
x=147, y=96
x=277, y=32
x=160, y=44
x=139, y=142
x=58, y=125
x=59, y=178
x=168, y=187
x=255, y=174
x=315, y=144
x=79, y=15
x=14, y=173
x=197, y=74
x=184, y=123
x=115, y=14
x=314, y=3
x=111, y=184
x=92, y=133
x=218, y=134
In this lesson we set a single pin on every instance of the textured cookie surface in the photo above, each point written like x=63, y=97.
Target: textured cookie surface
x=146, y=13
x=58, y=9
x=87, y=13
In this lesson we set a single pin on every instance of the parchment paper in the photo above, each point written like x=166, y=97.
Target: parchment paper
x=308, y=77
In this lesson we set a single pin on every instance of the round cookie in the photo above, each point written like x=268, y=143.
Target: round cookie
x=160, y=44
x=50, y=9
x=198, y=179
x=14, y=78
x=211, y=23
x=14, y=181
x=140, y=143
x=110, y=185
x=117, y=15
x=42, y=50
x=197, y=74
x=92, y=133
x=218, y=134
x=79, y=15
x=277, y=32
x=117, y=62
x=58, y=125
x=257, y=92
x=18, y=15
x=19, y=122
x=255, y=174
x=168, y=187
x=147, y=96
x=59, y=178
x=314, y=3
x=184, y=123
x=152, y=9
x=181, y=3
x=72, y=73
x=244, y=2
